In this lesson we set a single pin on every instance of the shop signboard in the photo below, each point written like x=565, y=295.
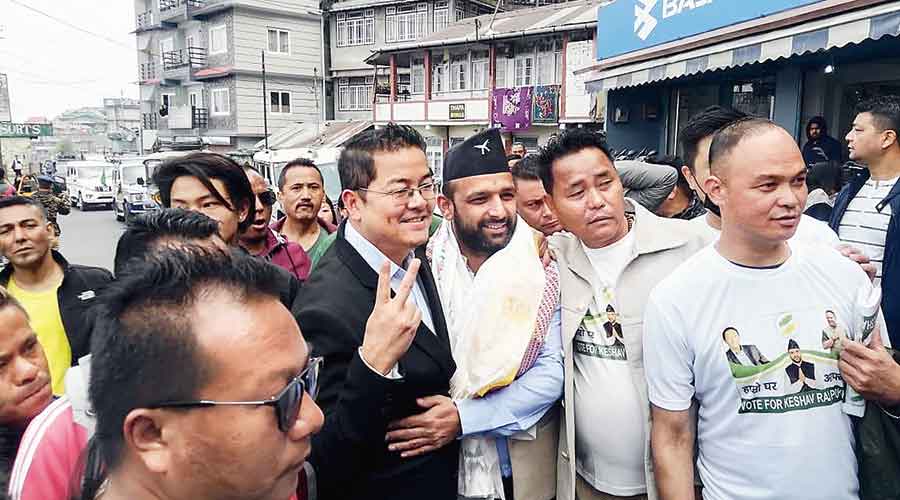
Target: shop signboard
x=25, y=130
x=656, y=22
x=458, y=111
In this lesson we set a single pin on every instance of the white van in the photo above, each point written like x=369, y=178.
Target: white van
x=89, y=183
x=132, y=195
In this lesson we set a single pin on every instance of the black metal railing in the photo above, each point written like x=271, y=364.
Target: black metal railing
x=191, y=56
x=148, y=71
x=166, y=5
x=199, y=117
x=148, y=121
x=145, y=20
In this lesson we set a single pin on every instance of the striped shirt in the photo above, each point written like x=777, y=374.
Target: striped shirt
x=864, y=225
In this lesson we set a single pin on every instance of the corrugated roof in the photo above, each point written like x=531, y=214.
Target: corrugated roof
x=330, y=134
x=346, y=5
x=551, y=18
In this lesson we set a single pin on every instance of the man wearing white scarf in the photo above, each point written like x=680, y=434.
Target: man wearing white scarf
x=503, y=318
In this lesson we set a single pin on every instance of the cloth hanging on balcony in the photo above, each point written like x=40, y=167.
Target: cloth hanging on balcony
x=512, y=109
x=546, y=104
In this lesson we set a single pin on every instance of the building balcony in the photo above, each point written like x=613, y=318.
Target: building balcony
x=145, y=22
x=149, y=72
x=188, y=118
x=179, y=64
x=458, y=107
x=174, y=11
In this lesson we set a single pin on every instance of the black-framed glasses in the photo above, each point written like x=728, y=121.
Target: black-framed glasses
x=267, y=197
x=426, y=191
x=286, y=402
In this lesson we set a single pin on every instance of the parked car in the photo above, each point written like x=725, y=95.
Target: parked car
x=89, y=183
x=132, y=195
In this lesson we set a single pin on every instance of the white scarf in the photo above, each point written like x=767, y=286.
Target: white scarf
x=490, y=319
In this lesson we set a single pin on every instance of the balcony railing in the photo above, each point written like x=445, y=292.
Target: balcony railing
x=199, y=118
x=145, y=20
x=194, y=57
x=149, y=71
x=148, y=121
x=166, y=5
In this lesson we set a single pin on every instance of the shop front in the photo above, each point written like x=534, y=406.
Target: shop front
x=797, y=60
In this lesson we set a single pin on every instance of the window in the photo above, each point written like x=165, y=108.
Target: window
x=356, y=28
x=167, y=100
x=355, y=94
x=479, y=70
x=406, y=22
x=460, y=10
x=524, y=70
x=218, y=40
x=441, y=15
x=279, y=41
x=458, y=65
x=221, y=105
x=436, y=161
x=196, y=99
x=417, y=78
x=438, y=77
x=166, y=45
x=280, y=102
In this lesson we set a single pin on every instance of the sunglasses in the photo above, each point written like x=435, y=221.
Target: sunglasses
x=267, y=198
x=286, y=402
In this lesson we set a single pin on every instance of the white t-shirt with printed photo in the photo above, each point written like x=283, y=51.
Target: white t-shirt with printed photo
x=809, y=230
x=748, y=344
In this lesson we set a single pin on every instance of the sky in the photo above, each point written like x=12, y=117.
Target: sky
x=52, y=67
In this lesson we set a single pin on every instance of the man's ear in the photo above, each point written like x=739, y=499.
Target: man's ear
x=692, y=181
x=716, y=190
x=446, y=206
x=352, y=203
x=146, y=435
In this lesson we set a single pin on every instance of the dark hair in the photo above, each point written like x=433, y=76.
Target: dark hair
x=570, y=141
x=885, y=111
x=144, y=346
x=145, y=231
x=528, y=169
x=204, y=167
x=705, y=124
x=825, y=175
x=820, y=121
x=356, y=164
x=674, y=162
x=829, y=311
x=299, y=162
x=512, y=157
x=727, y=329
x=728, y=137
x=334, y=211
x=24, y=201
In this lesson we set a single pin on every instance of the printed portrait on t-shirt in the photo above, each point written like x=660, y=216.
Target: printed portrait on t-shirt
x=741, y=354
x=778, y=361
x=801, y=374
x=833, y=334
x=612, y=328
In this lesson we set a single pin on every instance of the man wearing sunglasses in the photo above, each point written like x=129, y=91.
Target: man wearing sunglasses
x=262, y=241
x=210, y=425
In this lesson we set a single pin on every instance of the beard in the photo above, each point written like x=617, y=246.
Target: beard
x=474, y=238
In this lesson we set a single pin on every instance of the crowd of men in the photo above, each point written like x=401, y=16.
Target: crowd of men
x=570, y=327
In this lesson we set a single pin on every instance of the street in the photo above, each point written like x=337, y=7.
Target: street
x=89, y=238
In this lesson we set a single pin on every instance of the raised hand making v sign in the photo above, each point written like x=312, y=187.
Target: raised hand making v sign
x=394, y=320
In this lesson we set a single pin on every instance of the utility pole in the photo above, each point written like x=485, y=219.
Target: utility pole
x=316, y=92
x=265, y=101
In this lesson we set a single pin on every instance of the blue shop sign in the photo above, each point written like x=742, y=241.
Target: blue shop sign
x=628, y=25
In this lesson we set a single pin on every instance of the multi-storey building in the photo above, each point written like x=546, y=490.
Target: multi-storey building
x=200, y=68
x=514, y=70
x=357, y=28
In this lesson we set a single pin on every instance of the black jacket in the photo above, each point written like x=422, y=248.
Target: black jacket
x=80, y=285
x=890, y=270
x=349, y=455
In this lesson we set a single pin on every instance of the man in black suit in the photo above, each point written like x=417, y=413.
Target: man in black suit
x=741, y=354
x=382, y=363
x=799, y=370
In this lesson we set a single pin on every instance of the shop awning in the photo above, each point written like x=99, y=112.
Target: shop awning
x=331, y=134
x=811, y=36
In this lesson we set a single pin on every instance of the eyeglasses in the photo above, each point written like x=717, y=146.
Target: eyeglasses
x=286, y=402
x=267, y=197
x=400, y=196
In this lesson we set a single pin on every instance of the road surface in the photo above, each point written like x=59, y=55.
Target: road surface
x=89, y=238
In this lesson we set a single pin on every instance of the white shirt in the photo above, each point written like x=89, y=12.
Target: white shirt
x=809, y=230
x=609, y=431
x=375, y=258
x=864, y=226
x=770, y=428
